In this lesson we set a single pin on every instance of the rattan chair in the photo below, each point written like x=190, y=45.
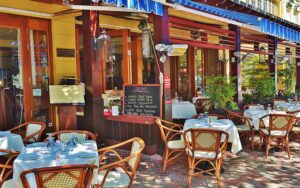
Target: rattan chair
x=173, y=148
x=202, y=105
x=245, y=128
x=296, y=126
x=205, y=145
x=250, y=106
x=65, y=135
x=278, y=128
x=68, y=176
x=234, y=116
x=33, y=131
x=119, y=173
x=6, y=168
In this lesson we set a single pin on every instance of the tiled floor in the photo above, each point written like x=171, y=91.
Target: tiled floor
x=247, y=169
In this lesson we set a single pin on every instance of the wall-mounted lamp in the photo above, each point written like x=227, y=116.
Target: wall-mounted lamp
x=243, y=57
x=171, y=50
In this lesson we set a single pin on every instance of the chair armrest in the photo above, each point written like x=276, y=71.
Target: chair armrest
x=116, y=145
x=102, y=156
x=262, y=123
x=17, y=127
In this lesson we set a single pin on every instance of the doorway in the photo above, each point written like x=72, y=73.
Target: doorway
x=25, y=68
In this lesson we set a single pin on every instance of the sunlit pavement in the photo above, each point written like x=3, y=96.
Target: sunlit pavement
x=246, y=169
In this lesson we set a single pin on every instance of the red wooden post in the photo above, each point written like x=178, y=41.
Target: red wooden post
x=272, y=60
x=162, y=35
x=93, y=110
x=235, y=67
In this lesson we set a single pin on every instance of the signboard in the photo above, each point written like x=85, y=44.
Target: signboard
x=65, y=52
x=66, y=94
x=142, y=100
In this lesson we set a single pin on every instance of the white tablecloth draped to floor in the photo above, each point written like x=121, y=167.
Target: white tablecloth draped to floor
x=225, y=125
x=183, y=110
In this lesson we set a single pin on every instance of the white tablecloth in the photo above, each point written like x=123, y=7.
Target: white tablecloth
x=48, y=159
x=288, y=107
x=183, y=110
x=10, y=141
x=256, y=114
x=223, y=124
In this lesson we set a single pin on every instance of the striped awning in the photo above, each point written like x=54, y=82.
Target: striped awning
x=278, y=30
x=149, y=6
x=265, y=25
x=232, y=15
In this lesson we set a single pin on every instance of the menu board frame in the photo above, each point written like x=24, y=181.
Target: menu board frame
x=144, y=85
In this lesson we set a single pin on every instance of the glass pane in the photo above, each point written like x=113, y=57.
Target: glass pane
x=183, y=78
x=114, y=69
x=199, y=69
x=40, y=74
x=11, y=72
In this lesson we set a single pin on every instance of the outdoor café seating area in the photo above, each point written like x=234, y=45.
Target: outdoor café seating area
x=206, y=150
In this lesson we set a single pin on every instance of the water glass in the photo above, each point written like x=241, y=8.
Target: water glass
x=269, y=108
x=50, y=143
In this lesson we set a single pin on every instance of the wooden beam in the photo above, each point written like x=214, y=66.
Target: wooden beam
x=201, y=44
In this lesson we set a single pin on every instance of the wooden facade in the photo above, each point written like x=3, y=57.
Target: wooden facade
x=211, y=47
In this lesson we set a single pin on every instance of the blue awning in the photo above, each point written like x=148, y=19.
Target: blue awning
x=278, y=30
x=149, y=6
x=232, y=15
x=266, y=26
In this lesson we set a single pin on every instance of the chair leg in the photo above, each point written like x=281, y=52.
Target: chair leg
x=288, y=147
x=252, y=140
x=218, y=168
x=165, y=160
x=189, y=178
x=260, y=141
x=267, y=147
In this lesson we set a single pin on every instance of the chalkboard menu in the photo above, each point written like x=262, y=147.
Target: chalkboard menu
x=142, y=100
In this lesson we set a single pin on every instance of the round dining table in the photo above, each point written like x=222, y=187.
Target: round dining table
x=10, y=141
x=37, y=155
x=289, y=107
x=225, y=125
x=183, y=110
x=256, y=114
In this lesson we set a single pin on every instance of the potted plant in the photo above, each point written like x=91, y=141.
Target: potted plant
x=265, y=89
x=221, y=91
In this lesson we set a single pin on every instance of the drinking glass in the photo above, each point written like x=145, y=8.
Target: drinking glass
x=50, y=143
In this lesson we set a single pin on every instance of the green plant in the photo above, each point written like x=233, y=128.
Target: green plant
x=288, y=78
x=221, y=91
x=265, y=89
x=249, y=98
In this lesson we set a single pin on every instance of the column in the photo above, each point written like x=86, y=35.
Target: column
x=93, y=109
x=272, y=60
x=161, y=35
x=235, y=67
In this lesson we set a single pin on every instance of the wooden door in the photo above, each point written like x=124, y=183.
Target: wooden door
x=24, y=57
